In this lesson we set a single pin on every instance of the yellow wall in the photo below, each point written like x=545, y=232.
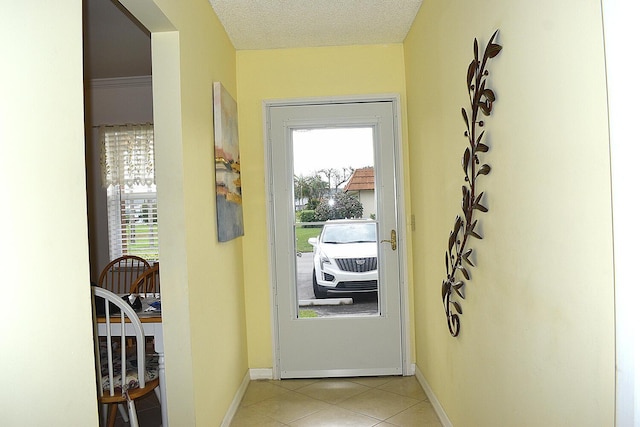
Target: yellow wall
x=285, y=74
x=536, y=346
x=46, y=344
x=202, y=280
x=537, y=340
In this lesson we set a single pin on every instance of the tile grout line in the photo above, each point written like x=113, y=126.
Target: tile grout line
x=379, y=387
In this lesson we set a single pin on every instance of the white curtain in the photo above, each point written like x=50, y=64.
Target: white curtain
x=127, y=155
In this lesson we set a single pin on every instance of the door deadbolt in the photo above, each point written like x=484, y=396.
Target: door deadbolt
x=393, y=241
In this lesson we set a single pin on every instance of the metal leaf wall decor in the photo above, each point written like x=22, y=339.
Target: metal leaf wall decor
x=458, y=255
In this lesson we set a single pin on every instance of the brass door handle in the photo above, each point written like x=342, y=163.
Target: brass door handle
x=393, y=241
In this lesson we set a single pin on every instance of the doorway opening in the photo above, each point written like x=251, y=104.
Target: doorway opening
x=338, y=276
x=118, y=91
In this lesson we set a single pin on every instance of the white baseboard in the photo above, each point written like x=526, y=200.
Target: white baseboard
x=261, y=374
x=444, y=420
x=411, y=370
x=252, y=374
x=235, y=403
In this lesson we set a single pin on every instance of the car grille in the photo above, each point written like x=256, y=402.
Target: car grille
x=357, y=265
x=364, y=285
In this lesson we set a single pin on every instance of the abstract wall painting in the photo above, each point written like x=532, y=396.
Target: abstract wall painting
x=227, y=165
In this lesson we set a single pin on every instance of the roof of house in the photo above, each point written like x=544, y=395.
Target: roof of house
x=362, y=179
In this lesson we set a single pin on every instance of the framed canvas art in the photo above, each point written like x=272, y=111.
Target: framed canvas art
x=227, y=165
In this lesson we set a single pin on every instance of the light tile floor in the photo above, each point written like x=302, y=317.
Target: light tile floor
x=344, y=402
x=338, y=402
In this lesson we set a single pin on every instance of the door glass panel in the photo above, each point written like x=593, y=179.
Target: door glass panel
x=336, y=227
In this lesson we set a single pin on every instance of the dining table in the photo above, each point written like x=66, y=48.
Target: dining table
x=152, y=326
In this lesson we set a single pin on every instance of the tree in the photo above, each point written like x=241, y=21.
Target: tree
x=312, y=204
x=312, y=188
x=317, y=187
x=337, y=177
x=340, y=206
x=300, y=187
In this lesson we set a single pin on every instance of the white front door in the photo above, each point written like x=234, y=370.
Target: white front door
x=337, y=301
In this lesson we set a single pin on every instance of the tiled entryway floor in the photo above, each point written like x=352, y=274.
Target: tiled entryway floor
x=343, y=402
x=353, y=402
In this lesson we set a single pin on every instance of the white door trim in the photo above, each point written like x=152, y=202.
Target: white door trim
x=401, y=229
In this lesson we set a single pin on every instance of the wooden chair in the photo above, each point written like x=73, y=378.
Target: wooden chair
x=148, y=282
x=115, y=360
x=119, y=274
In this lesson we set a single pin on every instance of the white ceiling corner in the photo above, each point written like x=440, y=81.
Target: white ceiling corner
x=275, y=24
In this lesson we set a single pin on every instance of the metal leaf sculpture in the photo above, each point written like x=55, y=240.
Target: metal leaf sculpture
x=458, y=256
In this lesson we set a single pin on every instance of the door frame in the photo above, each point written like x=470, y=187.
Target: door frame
x=408, y=367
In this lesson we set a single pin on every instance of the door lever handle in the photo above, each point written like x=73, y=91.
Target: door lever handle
x=393, y=241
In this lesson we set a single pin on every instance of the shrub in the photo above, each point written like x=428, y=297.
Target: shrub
x=307, y=216
x=312, y=204
x=341, y=206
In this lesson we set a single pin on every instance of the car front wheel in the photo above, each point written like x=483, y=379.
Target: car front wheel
x=317, y=291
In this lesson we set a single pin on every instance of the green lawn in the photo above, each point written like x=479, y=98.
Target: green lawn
x=138, y=245
x=143, y=233
x=302, y=235
x=141, y=237
x=307, y=314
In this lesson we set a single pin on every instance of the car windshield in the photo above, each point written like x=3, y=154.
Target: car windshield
x=349, y=233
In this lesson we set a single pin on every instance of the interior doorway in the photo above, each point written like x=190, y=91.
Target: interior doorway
x=118, y=90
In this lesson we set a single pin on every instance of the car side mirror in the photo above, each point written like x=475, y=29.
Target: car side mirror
x=313, y=241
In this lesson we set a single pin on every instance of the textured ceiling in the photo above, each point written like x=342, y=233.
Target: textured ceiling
x=117, y=45
x=273, y=24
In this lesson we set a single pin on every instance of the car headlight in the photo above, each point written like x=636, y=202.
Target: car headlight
x=323, y=259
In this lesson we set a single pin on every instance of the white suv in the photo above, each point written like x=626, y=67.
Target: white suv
x=345, y=258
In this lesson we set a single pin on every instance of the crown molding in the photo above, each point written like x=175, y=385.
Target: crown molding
x=120, y=82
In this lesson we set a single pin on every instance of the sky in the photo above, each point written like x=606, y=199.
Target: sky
x=316, y=149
